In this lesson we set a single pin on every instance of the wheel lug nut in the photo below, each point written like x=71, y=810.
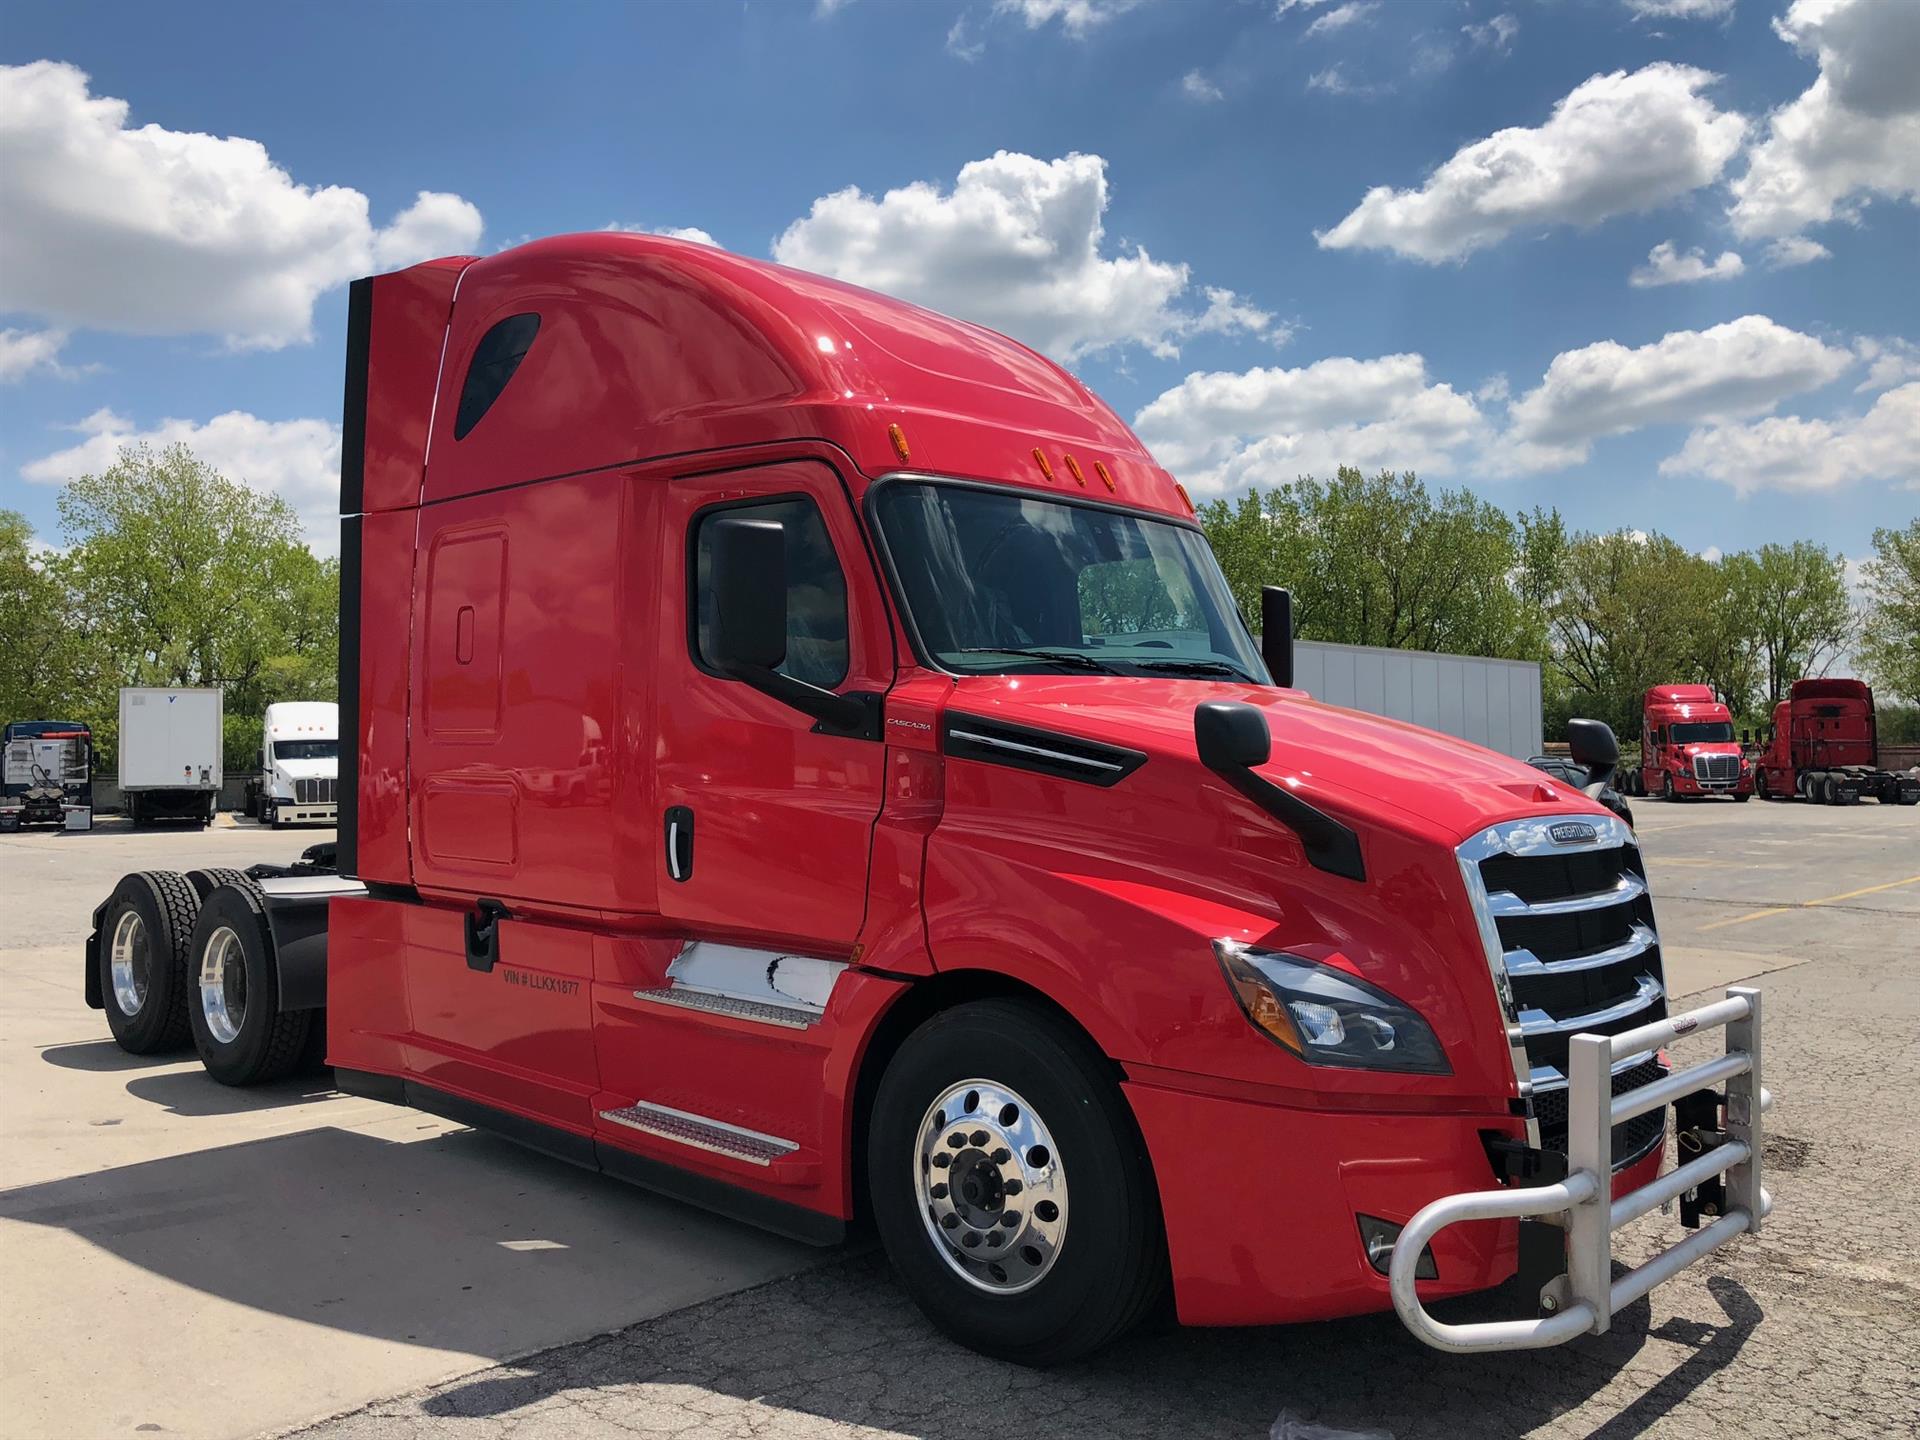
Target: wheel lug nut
x=1010, y=1218
x=939, y=1192
x=1001, y=1156
x=956, y=1140
x=943, y=1160
x=949, y=1221
x=979, y=1137
x=1013, y=1187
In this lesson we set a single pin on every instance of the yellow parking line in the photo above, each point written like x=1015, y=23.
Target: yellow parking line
x=1809, y=904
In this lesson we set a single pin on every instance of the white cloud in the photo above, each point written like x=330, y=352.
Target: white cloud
x=1712, y=554
x=157, y=231
x=1680, y=9
x=24, y=351
x=1076, y=17
x=1617, y=144
x=1667, y=266
x=1196, y=86
x=1495, y=34
x=1791, y=250
x=1334, y=80
x=1808, y=456
x=672, y=232
x=1890, y=362
x=1220, y=431
x=1853, y=135
x=1015, y=245
x=1744, y=367
x=1340, y=17
x=297, y=459
x=960, y=42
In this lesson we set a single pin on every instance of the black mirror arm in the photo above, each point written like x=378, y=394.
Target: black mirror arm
x=845, y=714
x=1330, y=846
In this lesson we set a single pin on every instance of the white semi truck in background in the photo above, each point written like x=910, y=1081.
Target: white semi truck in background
x=170, y=753
x=299, y=765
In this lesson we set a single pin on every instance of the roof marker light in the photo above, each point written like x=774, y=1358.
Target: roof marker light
x=1040, y=459
x=1185, y=497
x=1106, y=477
x=1073, y=468
x=899, y=438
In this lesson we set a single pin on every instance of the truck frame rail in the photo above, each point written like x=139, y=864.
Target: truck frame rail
x=1584, y=1300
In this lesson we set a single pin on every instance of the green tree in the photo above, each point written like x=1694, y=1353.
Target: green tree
x=1380, y=560
x=1623, y=621
x=186, y=577
x=1793, y=601
x=48, y=662
x=1889, y=649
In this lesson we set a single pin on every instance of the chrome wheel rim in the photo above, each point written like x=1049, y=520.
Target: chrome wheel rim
x=223, y=985
x=132, y=963
x=992, y=1191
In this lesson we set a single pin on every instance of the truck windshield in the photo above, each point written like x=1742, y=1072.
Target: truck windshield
x=306, y=749
x=1703, y=732
x=996, y=583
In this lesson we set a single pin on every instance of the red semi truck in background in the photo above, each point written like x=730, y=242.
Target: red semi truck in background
x=799, y=753
x=1687, y=746
x=1824, y=746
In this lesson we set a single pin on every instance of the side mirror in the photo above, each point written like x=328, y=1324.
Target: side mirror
x=1594, y=749
x=1231, y=736
x=748, y=576
x=1276, y=632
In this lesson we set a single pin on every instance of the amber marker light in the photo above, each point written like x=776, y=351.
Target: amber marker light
x=1073, y=469
x=899, y=438
x=1040, y=459
x=1106, y=476
x=1185, y=498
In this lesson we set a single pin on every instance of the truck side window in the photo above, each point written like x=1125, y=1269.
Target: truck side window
x=816, y=589
x=495, y=358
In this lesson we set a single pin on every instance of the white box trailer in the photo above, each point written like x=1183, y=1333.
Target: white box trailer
x=1495, y=703
x=170, y=753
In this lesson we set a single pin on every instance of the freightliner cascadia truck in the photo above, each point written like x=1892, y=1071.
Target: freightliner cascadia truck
x=1687, y=747
x=1825, y=747
x=798, y=753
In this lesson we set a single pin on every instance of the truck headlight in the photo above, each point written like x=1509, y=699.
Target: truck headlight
x=1326, y=1016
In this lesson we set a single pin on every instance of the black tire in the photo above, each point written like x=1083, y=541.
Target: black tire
x=1742, y=796
x=266, y=1043
x=164, y=906
x=1110, y=1270
x=269, y=814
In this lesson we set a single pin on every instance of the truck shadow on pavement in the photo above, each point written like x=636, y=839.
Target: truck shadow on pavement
x=843, y=1344
x=461, y=1241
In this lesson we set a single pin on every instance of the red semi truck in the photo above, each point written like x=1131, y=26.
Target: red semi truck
x=1824, y=747
x=799, y=753
x=1687, y=747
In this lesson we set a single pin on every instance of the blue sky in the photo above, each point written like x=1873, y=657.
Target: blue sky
x=1337, y=230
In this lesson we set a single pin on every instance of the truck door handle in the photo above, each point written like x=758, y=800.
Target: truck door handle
x=483, y=933
x=679, y=847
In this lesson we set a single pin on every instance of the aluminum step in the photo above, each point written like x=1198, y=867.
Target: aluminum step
x=764, y=1012
x=702, y=1133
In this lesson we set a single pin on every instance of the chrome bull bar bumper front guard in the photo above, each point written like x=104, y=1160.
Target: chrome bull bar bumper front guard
x=1587, y=1296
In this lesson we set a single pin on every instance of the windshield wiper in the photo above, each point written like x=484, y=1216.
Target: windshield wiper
x=1072, y=659
x=1194, y=667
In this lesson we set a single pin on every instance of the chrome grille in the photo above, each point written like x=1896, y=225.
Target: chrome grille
x=1716, y=769
x=1570, y=940
x=315, y=792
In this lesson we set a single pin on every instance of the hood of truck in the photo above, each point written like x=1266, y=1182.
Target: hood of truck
x=1369, y=767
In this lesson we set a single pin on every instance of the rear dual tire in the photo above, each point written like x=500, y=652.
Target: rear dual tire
x=973, y=1207
x=233, y=1008
x=145, y=935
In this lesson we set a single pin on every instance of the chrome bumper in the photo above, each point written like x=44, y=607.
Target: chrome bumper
x=1584, y=1300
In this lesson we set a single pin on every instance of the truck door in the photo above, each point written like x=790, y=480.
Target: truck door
x=766, y=823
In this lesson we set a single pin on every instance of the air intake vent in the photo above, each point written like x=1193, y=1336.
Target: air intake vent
x=995, y=742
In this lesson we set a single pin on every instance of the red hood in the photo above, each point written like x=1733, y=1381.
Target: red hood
x=1412, y=779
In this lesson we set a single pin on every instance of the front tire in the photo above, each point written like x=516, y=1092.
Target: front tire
x=243, y=1036
x=1025, y=1224
x=144, y=938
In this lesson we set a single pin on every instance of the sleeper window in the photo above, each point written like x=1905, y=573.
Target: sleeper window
x=495, y=358
x=816, y=589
